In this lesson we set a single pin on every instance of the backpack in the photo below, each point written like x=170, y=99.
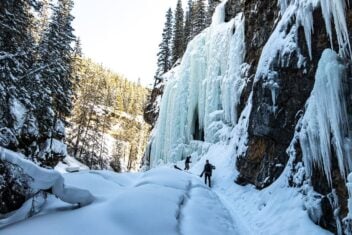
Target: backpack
x=208, y=168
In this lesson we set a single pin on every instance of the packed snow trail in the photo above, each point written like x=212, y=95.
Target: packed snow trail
x=275, y=210
x=161, y=201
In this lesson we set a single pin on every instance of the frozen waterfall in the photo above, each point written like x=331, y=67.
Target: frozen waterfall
x=202, y=93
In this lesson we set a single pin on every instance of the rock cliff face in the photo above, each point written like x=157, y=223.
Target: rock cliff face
x=271, y=132
x=151, y=110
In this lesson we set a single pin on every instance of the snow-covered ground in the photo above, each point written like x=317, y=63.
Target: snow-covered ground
x=168, y=201
x=161, y=201
x=278, y=209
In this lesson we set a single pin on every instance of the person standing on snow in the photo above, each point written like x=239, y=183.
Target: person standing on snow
x=208, y=169
x=187, y=162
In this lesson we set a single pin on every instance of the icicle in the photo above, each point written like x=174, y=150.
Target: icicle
x=304, y=17
x=348, y=219
x=334, y=202
x=233, y=84
x=332, y=10
x=283, y=5
x=326, y=117
x=336, y=9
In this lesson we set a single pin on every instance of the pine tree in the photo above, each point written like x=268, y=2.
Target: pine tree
x=188, y=24
x=16, y=40
x=56, y=56
x=178, y=34
x=17, y=46
x=199, y=17
x=164, y=54
x=42, y=20
x=77, y=65
x=77, y=52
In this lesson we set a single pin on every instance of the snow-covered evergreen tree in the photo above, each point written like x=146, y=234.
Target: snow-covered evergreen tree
x=178, y=34
x=77, y=64
x=18, y=103
x=189, y=24
x=56, y=50
x=164, y=54
x=35, y=72
x=16, y=45
x=200, y=17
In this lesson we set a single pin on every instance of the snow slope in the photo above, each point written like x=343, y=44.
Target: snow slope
x=161, y=201
x=167, y=201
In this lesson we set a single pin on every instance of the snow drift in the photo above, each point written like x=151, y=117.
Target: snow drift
x=41, y=180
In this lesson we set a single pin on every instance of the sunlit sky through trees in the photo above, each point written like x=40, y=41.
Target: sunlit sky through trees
x=123, y=35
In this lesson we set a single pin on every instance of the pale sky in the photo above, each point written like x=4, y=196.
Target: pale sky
x=123, y=35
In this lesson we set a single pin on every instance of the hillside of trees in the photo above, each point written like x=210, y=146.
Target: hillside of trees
x=107, y=130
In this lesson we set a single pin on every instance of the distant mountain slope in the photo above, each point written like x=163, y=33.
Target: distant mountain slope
x=107, y=130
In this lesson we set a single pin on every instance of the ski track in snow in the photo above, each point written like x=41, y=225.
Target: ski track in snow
x=204, y=207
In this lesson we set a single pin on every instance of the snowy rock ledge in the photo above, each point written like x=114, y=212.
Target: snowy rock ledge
x=41, y=179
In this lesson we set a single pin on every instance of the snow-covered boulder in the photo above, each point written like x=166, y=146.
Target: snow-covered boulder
x=37, y=182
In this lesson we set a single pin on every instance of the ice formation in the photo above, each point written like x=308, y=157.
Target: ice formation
x=348, y=220
x=324, y=123
x=202, y=93
x=335, y=206
x=42, y=179
x=333, y=12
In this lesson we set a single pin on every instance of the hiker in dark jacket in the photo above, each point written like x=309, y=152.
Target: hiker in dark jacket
x=187, y=162
x=208, y=169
